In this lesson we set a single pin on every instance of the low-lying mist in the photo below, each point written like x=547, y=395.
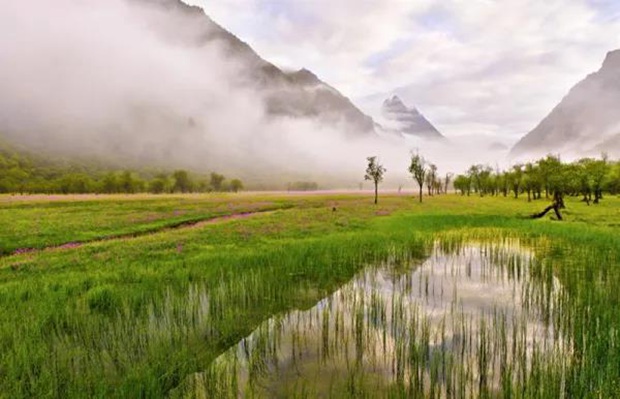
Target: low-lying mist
x=102, y=79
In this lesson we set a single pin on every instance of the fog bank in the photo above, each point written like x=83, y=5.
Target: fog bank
x=107, y=79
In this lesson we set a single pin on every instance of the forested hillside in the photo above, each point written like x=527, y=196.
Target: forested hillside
x=25, y=172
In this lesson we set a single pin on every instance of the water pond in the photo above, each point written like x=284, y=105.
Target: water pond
x=473, y=321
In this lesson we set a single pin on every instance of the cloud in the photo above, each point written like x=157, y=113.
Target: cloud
x=107, y=78
x=501, y=65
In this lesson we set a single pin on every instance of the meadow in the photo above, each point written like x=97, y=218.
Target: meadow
x=146, y=296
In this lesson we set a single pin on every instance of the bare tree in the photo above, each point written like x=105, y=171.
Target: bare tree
x=417, y=168
x=374, y=172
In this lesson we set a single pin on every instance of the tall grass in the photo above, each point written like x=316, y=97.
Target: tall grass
x=423, y=330
x=143, y=317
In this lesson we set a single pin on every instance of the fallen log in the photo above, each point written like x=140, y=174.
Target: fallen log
x=555, y=206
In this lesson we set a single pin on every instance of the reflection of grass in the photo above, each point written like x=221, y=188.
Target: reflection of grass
x=127, y=317
x=399, y=336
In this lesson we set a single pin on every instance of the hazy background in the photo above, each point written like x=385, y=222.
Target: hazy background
x=476, y=67
x=99, y=77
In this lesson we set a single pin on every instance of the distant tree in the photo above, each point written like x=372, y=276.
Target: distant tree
x=462, y=184
x=486, y=181
x=446, y=182
x=431, y=178
x=374, y=172
x=236, y=185
x=417, y=168
x=475, y=177
x=76, y=183
x=110, y=184
x=127, y=183
x=503, y=182
x=159, y=184
x=182, y=181
x=598, y=171
x=303, y=186
x=17, y=178
x=216, y=181
x=613, y=179
x=438, y=186
x=516, y=179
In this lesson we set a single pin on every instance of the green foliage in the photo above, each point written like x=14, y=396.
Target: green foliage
x=462, y=183
x=217, y=181
x=21, y=172
x=182, y=182
x=236, y=185
x=586, y=177
x=159, y=185
x=374, y=172
x=417, y=168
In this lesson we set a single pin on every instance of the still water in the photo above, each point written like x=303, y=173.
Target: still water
x=475, y=320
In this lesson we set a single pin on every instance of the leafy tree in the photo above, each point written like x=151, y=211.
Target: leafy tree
x=503, y=183
x=485, y=180
x=613, y=179
x=216, y=181
x=417, y=168
x=159, y=184
x=463, y=184
x=236, y=185
x=530, y=180
x=480, y=178
x=76, y=183
x=127, y=183
x=547, y=167
x=110, y=184
x=598, y=171
x=374, y=172
x=516, y=179
x=182, y=181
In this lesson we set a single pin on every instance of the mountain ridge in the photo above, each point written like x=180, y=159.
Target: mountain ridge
x=584, y=119
x=408, y=120
x=287, y=93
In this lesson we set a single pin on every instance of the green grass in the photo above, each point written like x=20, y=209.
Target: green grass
x=35, y=224
x=133, y=317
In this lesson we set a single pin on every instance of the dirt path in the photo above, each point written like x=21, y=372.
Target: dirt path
x=196, y=223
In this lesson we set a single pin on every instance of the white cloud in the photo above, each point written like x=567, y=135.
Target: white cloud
x=499, y=65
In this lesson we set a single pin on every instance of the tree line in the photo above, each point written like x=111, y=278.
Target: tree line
x=548, y=176
x=422, y=171
x=588, y=178
x=25, y=174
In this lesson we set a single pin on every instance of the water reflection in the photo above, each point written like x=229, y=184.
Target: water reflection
x=472, y=321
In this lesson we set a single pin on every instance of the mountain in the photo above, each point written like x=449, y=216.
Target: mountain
x=409, y=121
x=585, y=122
x=287, y=93
x=158, y=83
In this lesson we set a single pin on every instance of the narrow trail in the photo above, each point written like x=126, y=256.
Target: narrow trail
x=194, y=223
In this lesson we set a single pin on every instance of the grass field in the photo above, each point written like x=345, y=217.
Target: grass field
x=129, y=296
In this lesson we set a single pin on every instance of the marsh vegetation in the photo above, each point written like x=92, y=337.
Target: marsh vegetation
x=454, y=297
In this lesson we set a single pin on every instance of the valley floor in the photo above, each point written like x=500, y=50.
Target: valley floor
x=127, y=296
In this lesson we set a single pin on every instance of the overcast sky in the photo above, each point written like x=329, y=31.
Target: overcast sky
x=471, y=66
